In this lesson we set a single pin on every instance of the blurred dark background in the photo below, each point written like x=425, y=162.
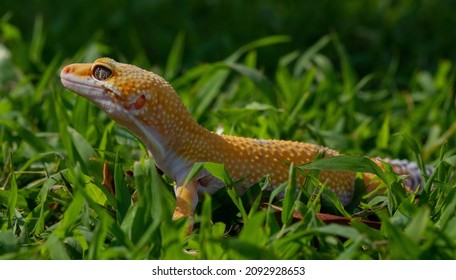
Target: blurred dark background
x=407, y=35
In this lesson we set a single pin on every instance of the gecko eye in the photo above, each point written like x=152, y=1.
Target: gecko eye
x=101, y=73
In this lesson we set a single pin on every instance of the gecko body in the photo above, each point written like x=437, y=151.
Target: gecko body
x=147, y=105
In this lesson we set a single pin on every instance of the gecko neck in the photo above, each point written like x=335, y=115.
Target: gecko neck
x=170, y=132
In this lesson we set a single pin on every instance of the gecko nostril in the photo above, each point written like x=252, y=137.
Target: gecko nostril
x=66, y=70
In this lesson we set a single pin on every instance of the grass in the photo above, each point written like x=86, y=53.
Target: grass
x=54, y=205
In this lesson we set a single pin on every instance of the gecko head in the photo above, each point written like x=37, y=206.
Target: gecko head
x=126, y=92
x=138, y=99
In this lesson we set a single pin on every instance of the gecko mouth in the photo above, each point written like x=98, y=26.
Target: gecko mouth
x=101, y=96
x=79, y=87
x=93, y=91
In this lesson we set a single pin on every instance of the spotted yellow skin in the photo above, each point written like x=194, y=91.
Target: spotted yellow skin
x=147, y=105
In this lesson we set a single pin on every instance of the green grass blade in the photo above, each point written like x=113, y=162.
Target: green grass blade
x=303, y=62
x=290, y=197
x=56, y=249
x=12, y=198
x=105, y=139
x=206, y=250
x=28, y=136
x=122, y=194
x=196, y=169
x=64, y=135
x=46, y=78
x=97, y=242
x=347, y=163
x=84, y=149
x=209, y=91
x=402, y=246
x=348, y=74
x=51, y=181
x=417, y=226
x=277, y=191
x=175, y=57
x=155, y=206
x=232, y=192
x=82, y=111
x=382, y=140
x=449, y=209
x=219, y=172
x=38, y=40
x=263, y=42
x=258, y=78
x=71, y=217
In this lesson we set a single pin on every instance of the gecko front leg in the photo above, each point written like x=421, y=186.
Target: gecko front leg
x=186, y=201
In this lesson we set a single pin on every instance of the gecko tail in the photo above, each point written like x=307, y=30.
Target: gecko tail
x=413, y=177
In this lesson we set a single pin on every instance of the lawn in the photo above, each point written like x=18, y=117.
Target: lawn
x=56, y=146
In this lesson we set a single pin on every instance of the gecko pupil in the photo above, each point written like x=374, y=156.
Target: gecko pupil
x=101, y=73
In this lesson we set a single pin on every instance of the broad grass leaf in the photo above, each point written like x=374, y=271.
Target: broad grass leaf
x=347, y=163
x=84, y=149
x=219, y=172
x=340, y=230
